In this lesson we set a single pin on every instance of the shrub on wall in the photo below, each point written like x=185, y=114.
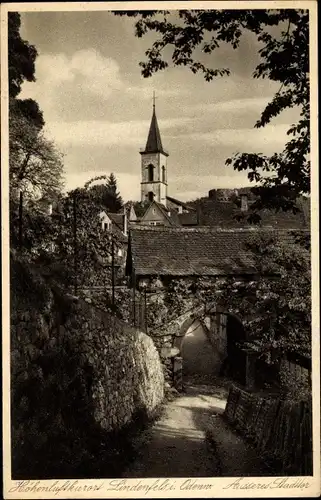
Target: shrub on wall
x=294, y=388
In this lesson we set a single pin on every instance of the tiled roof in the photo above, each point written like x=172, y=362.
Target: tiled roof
x=117, y=219
x=196, y=251
x=118, y=225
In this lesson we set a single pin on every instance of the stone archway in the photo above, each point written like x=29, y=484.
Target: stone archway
x=210, y=347
x=181, y=331
x=199, y=356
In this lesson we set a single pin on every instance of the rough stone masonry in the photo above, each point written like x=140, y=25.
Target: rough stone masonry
x=71, y=362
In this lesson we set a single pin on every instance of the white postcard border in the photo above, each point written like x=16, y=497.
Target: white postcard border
x=162, y=487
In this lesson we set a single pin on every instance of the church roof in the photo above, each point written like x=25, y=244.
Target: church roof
x=154, y=141
x=180, y=203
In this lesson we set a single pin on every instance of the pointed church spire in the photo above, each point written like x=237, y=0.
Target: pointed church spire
x=154, y=141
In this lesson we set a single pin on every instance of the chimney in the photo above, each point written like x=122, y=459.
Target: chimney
x=125, y=222
x=244, y=204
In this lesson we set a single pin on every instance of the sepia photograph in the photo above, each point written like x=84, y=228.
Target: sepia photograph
x=160, y=248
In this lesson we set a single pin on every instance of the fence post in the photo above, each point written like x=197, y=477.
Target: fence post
x=250, y=371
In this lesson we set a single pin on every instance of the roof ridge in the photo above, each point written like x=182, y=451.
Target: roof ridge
x=211, y=229
x=182, y=203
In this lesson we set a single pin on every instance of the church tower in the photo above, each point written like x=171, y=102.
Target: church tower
x=154, y=165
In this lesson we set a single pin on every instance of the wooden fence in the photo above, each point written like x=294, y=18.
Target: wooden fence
x=280, y=430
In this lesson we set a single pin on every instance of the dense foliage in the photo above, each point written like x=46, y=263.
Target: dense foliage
x=140, y=207
x=82, y=242
x=67, y=245
x=107, y=194
x=279, y=300
x=22, y=56
x=190, y=35
x=35, y=165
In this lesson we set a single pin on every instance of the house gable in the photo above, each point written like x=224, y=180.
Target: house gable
x=109, y=224
x=106, y=222
x=132, y=214
x=155, y=215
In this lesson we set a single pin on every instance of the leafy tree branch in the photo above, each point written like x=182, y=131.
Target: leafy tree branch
x=281, y=178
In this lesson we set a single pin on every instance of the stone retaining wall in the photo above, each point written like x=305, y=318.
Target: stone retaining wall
x=281, y=430
x=75, y=370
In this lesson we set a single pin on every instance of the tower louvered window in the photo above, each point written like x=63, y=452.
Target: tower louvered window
x=150, y=173
x=163, y=174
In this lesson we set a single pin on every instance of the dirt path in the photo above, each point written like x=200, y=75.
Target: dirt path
x=175, y=446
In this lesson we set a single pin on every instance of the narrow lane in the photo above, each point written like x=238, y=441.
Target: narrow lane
x=175, y=446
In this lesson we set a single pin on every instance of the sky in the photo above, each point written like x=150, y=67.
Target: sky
x=97, y=106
